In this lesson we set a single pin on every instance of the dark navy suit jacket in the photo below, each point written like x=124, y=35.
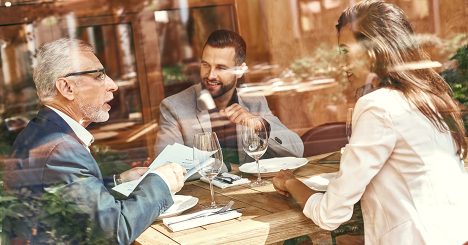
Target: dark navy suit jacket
x=49, y=153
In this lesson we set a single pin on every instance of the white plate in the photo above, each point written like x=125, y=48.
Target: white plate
x=320, y=182
x=181, y=204
x=116, y=126
x=269, y=167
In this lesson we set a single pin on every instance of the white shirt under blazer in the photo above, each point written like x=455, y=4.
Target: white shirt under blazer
x=412, y=184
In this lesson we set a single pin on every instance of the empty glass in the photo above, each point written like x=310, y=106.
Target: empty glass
x=208, y=156
x=255, y=143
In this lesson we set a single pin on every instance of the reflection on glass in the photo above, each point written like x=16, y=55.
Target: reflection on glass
x=208, y=156
x=182, y=34
x=255, y=144
x=113, y=45
x=119, y=60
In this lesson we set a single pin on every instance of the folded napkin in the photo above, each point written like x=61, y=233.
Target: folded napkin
x=184, y=225
x=227, y=177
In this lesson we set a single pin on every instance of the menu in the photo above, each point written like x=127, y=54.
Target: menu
x=175, y=153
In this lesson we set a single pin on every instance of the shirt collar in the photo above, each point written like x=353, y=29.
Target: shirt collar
x=84, y=135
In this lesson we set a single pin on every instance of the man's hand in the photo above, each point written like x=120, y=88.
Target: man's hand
x=133, y=174
x=236, y=113
x=173, y=173
x=145, y=163
x=279, y=181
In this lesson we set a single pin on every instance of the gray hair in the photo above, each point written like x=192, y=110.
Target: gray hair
x=54, y=60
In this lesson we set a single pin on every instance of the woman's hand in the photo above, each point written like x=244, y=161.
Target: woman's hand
x=279, y=181
x=287, y=184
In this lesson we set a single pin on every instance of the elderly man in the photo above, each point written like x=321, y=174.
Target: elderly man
x=54, y=148
x=182, y=115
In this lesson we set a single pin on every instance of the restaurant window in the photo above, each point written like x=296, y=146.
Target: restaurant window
x=113, y=45
x=182, y=34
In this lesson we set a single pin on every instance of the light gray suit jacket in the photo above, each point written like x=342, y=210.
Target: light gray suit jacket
x=182, y=117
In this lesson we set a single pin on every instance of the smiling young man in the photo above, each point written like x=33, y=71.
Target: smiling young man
x=53, y=150
x=183, y=115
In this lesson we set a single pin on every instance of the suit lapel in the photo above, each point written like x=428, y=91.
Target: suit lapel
x=46, y=114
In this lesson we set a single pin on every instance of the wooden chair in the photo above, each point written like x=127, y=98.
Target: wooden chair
x=324, y=138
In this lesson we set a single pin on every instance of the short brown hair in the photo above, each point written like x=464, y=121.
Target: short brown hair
x=225, y=38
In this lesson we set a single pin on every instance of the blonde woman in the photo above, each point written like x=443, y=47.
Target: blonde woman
x=404, y=158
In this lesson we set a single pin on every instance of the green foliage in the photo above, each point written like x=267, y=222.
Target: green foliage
x=461, y=56
x=323, y=62
x=110, y=161
x=46, y=219
x=457, y=78
x=173, y=74
x=55, y=220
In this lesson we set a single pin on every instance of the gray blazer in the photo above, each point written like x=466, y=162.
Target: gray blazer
x=50, y=154
x=181, y=118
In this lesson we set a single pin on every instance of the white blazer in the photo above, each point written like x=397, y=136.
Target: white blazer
x=412, y=184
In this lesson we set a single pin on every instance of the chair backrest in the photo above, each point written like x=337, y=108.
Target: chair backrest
x=324, y=138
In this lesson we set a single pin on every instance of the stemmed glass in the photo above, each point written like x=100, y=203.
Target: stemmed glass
x=208, y=156
x=2, y=110
x=255, y=143
x=349, y=121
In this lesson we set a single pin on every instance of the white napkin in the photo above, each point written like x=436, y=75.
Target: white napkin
x=223, y=185
x=184, y=225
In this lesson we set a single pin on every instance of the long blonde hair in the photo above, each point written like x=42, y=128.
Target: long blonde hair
x=384, y=30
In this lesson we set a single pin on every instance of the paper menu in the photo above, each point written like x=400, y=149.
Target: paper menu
x=176, y=153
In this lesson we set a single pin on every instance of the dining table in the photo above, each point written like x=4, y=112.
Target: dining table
x=267, y=217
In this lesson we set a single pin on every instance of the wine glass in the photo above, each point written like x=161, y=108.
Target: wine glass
x=2, y=110
x=255, y=143
x=349, y=121
x=208, y=157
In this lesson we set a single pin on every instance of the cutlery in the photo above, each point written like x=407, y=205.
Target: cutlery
x=224, y=179
x=222, y=210
x=230, y=176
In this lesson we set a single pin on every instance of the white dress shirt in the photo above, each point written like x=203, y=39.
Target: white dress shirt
x=411, y=182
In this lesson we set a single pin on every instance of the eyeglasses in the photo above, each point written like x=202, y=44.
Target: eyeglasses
x=101, y=76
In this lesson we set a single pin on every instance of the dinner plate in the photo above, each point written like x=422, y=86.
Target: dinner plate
x=269, y=167
x=320, y=182
x=181, y=204
x=116, y=126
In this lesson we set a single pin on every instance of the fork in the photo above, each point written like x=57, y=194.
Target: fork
x=222, y=210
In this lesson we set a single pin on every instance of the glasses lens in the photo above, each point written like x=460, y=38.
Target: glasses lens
x=102, y=75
